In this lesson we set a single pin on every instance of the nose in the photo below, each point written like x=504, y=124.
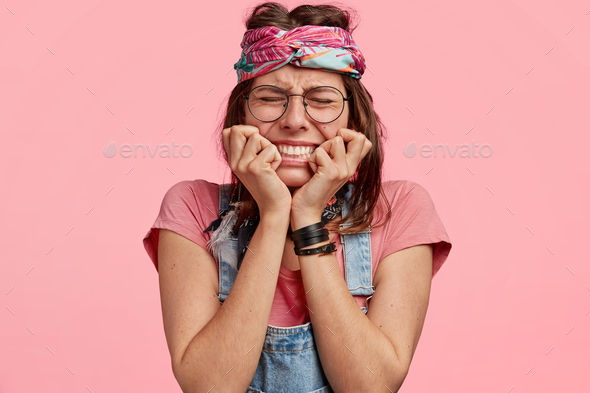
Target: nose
x=295, y=116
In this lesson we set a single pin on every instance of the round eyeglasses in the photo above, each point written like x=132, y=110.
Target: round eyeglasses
x=323, y=104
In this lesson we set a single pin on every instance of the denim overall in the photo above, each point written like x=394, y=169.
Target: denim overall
x=289, y=361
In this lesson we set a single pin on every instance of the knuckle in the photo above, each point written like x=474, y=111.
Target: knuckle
x=253, y=168
x=236, y=130
x=242, y=167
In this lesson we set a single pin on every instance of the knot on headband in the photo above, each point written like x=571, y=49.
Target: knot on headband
x=268, y=48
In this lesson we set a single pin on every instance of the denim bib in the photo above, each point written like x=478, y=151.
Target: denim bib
x=289, y=361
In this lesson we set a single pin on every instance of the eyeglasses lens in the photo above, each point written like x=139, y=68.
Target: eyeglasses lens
x=324, y=104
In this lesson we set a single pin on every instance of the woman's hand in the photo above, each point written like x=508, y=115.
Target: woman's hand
x=254, y=160
x=333, y=164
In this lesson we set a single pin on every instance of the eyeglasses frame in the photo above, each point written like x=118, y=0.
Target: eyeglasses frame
x=305, y=104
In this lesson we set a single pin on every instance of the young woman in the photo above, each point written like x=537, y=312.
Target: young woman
x=265, y=282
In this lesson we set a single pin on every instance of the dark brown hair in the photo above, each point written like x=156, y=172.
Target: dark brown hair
x=362, y=116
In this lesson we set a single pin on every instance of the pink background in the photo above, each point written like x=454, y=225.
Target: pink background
x=509, y=308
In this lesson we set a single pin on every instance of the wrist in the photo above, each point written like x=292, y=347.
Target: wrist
x=275, y=217
x=300, y=221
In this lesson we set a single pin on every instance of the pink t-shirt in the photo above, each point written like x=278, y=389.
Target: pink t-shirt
x=190, y=206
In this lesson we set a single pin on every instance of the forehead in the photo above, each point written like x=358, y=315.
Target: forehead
x=290, y=77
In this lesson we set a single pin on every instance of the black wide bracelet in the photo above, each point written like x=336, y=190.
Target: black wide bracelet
x=325, y=249
x=311, y=241
x=312, y=227
x=307, y=235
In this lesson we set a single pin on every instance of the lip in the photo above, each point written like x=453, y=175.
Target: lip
x=291, y=161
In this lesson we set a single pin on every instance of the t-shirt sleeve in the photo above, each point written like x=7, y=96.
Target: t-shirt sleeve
x=414, y=221
x=187, y=209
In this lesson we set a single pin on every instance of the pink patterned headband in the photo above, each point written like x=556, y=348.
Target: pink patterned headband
x=268, y=48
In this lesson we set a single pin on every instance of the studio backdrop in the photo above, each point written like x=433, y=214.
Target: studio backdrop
x=105, y=105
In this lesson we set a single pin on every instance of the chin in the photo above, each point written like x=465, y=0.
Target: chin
x=294, y=176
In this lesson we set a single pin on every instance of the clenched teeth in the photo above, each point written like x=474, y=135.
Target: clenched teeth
x=296, y=151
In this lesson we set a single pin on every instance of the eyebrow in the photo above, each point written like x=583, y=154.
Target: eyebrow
x=306, y=88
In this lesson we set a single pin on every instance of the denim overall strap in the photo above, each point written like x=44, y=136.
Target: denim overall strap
x=227, y=255
x=356, y=249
